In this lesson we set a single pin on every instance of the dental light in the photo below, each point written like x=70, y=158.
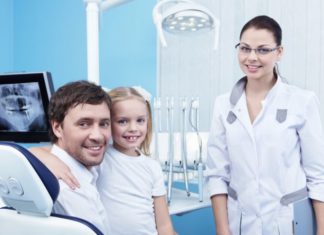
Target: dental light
x=93, y=8
x=183, y=17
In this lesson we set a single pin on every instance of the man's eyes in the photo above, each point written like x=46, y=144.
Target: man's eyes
x=105, y=124
x=88, y=124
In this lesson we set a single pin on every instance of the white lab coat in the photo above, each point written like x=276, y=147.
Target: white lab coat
x=257, y=164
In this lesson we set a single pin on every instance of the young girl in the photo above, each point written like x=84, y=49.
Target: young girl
x=130, y=183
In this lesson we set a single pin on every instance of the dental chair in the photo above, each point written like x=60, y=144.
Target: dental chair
x=29, y=190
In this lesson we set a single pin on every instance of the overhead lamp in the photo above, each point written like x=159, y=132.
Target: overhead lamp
x=183, y=17
x=93, y=8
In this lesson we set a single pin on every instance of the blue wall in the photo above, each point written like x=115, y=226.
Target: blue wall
x=38, y=35
x=6, y=38
x=52, y=36
x=128, y=46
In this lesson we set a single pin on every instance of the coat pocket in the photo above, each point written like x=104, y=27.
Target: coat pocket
x=285, y=222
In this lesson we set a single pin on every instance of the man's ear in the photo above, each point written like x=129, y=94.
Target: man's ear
x=57, y=129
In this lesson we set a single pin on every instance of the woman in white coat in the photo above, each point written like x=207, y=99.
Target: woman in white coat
x=266, y=144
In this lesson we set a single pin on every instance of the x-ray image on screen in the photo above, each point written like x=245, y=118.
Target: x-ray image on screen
x=21, y=108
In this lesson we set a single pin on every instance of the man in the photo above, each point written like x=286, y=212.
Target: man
x=79, y=114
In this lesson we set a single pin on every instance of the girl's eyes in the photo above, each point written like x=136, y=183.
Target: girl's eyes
x=141, y=120
x=122, y=122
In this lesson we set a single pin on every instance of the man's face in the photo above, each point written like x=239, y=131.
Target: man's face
x=85, y=132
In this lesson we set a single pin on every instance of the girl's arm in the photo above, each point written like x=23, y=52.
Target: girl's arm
x=319, y=215
x=219, y=204
x=162, y=217
x=55, y=165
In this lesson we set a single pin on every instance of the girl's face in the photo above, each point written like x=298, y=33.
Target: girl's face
x=129, y=125
x=258, y=64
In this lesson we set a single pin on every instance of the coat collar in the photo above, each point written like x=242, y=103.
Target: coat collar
x=239, y=89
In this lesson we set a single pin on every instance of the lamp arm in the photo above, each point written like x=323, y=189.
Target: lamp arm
x=105, y=4
x=157, y=8
x=92, y=11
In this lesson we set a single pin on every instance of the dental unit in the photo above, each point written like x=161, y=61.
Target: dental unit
x=180, y=150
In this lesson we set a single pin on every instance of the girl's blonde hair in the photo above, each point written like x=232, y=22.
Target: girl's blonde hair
x=125, y=93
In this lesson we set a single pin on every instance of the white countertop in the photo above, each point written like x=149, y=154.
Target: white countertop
x=181, y=203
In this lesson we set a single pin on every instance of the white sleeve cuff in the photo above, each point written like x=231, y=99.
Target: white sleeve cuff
x=216, y=185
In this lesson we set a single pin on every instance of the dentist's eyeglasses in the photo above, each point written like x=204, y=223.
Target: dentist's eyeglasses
x=245, y=50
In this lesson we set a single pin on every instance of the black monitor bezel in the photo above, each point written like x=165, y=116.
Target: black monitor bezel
x=44, y=80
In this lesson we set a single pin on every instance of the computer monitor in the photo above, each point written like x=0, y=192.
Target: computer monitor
x=24, y=99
